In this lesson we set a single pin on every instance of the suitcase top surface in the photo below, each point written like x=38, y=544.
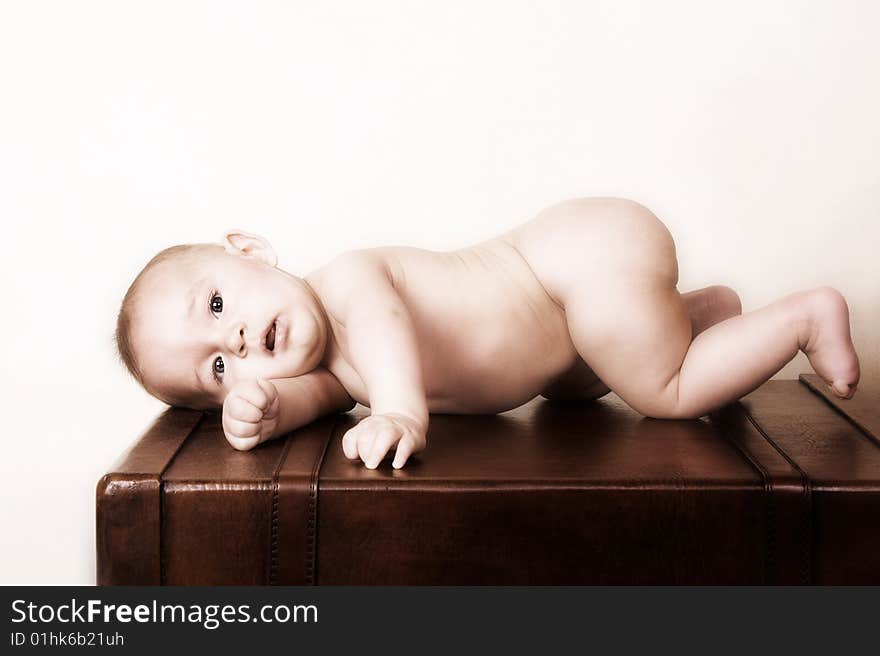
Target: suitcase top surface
x=790, y=426
x=778, y=487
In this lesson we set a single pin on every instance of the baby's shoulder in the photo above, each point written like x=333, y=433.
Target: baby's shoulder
x=362, y=272
x=391, y=263
x=364, y=264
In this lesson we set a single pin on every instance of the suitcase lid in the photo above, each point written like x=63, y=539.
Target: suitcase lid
x=833, y=442
x=790, y=447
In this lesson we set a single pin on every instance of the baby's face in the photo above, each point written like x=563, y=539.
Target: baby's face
x=206, y=321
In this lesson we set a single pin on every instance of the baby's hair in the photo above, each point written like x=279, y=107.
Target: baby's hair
x=122, y=336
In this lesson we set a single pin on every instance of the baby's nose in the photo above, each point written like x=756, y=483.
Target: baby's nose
x=236, y=341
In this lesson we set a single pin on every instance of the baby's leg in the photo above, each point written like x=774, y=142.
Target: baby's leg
x=705, y=308
x=710, y=305
x=737, y=355
x=612, y=265
x=643, y=351
x=633, y=329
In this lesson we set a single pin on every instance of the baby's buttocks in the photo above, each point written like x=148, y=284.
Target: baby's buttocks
x=490, y=336
x=576, y=241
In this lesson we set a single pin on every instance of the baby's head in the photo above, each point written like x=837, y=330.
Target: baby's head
x=200, y=317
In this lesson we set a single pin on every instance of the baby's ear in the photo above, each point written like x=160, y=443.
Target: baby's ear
x=238, y=242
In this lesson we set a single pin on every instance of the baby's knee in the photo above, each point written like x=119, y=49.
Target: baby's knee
x=676, y=411
x=726, y=301
x=667, y=402
x=663, y=408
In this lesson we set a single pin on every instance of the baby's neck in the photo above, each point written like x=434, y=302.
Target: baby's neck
x=331, y=346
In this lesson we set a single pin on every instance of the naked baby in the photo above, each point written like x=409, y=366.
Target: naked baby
x=580, y=301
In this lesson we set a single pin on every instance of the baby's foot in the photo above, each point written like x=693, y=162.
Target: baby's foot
x=827, y=341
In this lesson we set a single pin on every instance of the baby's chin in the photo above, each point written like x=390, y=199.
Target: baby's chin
x=296, y=362
x=309, y=351
x=308, y=361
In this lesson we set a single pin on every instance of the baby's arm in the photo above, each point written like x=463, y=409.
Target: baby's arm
x=258, y=410
x=359, y=295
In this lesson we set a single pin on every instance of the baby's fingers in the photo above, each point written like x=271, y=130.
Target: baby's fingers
x=242, y=435
x=239, y=428
x=385, y=439
x=270, y=392
x=243, y=443
x=349, y=443
x=255, y=392
x=366, y=438
x=405, y=448
x=242, y=409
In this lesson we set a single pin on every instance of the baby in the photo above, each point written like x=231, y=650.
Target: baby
x=578, y=301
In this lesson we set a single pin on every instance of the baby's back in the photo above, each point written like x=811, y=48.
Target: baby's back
x=490, y=337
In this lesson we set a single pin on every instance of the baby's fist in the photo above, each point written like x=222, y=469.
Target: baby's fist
x=374, y=436
x=250, y=413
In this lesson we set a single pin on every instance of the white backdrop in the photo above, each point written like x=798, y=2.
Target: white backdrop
x=750, y=128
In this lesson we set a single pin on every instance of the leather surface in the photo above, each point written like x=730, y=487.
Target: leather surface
x=787, y=498
x=217, y=503
x=861, y=410
x=129, y=503
x=546, y=494
x=842, y=464
x=781, y=487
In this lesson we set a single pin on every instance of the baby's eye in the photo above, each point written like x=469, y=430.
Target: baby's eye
x=216, y=304
x=218, y=368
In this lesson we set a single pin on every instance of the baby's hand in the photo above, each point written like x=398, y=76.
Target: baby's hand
x=250, y=413
x=374, y=436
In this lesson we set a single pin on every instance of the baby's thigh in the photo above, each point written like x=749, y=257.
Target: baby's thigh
x=633, y=331
x=612, y=265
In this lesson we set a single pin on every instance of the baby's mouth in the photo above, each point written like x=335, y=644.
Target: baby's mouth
x=270, y=337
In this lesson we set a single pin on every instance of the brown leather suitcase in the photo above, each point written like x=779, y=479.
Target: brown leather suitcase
x=782, y=487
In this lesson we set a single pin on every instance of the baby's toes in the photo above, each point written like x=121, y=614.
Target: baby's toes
x=843, y=389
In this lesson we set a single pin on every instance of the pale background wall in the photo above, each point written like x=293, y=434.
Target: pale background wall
x=751, y=128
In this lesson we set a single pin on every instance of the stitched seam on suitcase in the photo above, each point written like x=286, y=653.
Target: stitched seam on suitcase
x=769, y=508
x=163, y=565
x=312, y=526
x=273, y=535
x=840, y=410
x=807, y=514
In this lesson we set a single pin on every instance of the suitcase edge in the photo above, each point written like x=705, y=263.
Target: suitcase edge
x=128, y=503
